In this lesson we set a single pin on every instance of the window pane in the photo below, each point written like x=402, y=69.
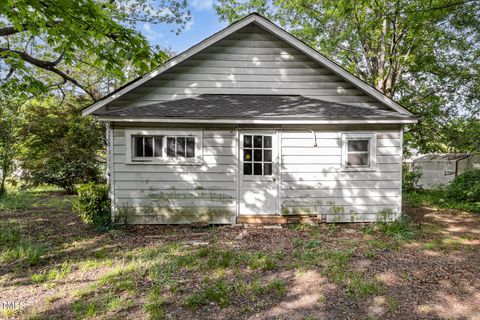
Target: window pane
x=247, y=168
x=257, y=154
x=267, y=169
x=257, y=141
x=358, y=145
x=247, y=141
x=158, y=146
x=138, y=146
x=257, y=169
x=247, y=155
x=267, y=141
x=190, y=147
x=148, y=146
x=180, y=147
x=357, y=159
x=267, y=155
x=171, y=147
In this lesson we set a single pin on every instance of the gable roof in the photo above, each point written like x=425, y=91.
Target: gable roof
x=275, y=30
x=245, y=107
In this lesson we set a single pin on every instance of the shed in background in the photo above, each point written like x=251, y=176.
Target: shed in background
x=441, y=168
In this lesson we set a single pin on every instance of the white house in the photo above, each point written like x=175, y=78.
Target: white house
x=252, y=122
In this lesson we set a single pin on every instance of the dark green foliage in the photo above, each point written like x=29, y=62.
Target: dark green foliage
x=410, y=177
x=465, y=187
x=401, y=229
x=60, y=147
x=438, y=198
x=54, y=45
x=93, y=205
x=462, y=193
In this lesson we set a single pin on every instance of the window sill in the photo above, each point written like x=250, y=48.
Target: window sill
x=358, y=169
x=166, y=162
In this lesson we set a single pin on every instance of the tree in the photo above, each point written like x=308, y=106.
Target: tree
x=424, y=54
x=8, y=139
x=59, y=146
x=41, y=41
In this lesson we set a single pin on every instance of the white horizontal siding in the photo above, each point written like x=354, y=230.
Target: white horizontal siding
x=313, y=181
x=250, y=61
x=168, y=193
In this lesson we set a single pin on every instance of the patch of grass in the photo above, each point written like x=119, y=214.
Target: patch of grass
x=120, y=280
x=359, y=287
x=217, y=292
x=263, y=262
x=277, y=287
x=444, y=244
x=438, y=198
x=337, y=264
x=24, y=250
x=382, y=245
x=401, y=229
x=54, y=274
x=85, y=309
x=392, y=304
x=155, y=304
x=16, y=200
x=10, y=231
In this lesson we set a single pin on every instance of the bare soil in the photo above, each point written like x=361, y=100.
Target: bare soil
x=435, y=276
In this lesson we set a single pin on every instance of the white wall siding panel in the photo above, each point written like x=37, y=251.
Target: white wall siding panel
x=314, y=183
x=250, y=61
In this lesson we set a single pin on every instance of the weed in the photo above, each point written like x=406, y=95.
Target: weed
x=262, y=261
x=360, y=287
x=16, y=201
x=9, y=231
x=392, y=304
x=24, y=250
x=438, y=198
x=277, y=287
x=155, y=304
x=52, y=275
x=217, y=292
x=401, y=229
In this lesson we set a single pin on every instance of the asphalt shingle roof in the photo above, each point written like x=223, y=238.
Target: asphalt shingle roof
x=220, y=106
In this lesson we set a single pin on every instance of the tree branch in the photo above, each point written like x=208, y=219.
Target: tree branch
x=49, y=66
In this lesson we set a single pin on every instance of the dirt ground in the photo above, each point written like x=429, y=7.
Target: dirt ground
x=344, y=271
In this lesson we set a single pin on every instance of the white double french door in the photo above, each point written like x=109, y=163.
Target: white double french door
x=259, y=172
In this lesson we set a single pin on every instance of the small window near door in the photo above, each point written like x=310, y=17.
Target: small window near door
x=257, y=155
x=358, y=151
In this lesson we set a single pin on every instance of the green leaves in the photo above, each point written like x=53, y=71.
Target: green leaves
x=64, y=32
x=423, y=54
x=59, y=146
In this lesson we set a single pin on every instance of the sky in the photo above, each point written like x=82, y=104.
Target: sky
x=204, y=23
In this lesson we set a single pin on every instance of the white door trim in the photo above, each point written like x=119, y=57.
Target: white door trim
x=275, y=166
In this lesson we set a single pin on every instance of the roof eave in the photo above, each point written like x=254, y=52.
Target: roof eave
x=406, y=120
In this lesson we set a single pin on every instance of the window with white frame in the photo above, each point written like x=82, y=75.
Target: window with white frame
x=156, y=146
x=359, y=151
